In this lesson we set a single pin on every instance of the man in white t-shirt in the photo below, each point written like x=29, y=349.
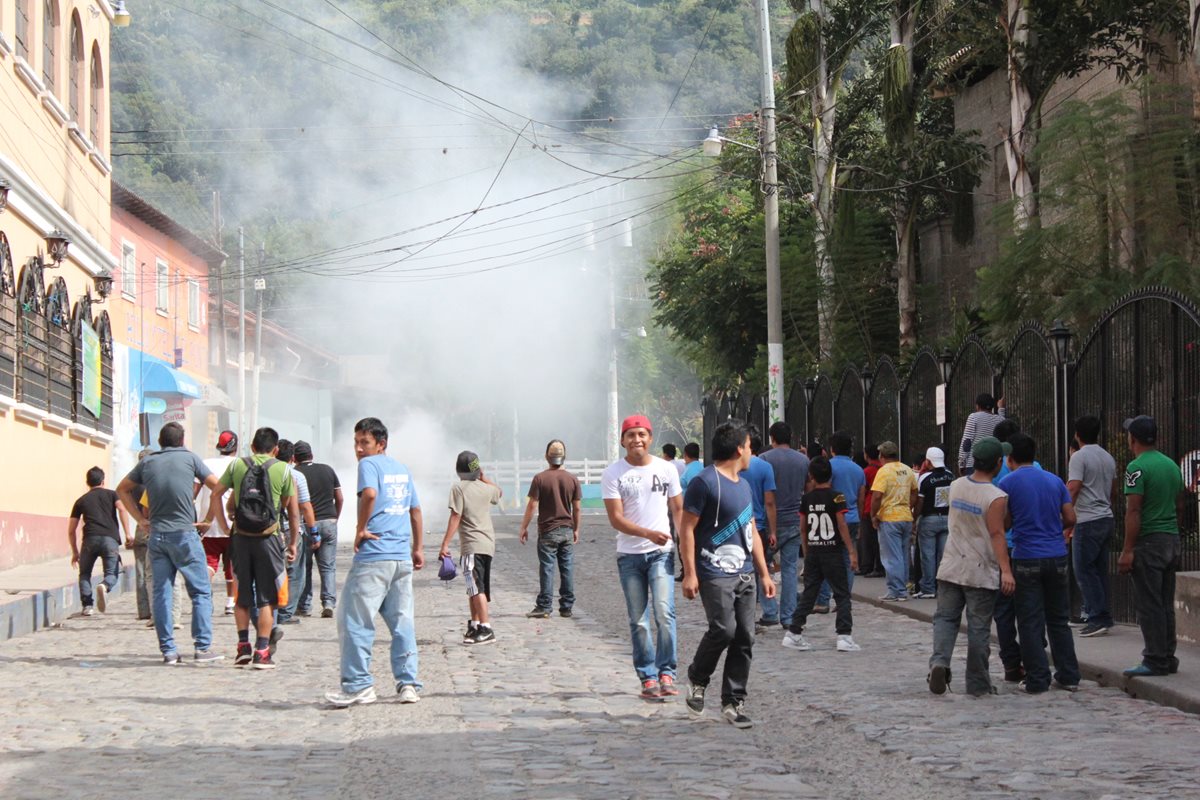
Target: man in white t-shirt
x=642, y=496
x=216, y=538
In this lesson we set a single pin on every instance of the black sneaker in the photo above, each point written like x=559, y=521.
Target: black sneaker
x=171, y=659
x=245, y=653
x=263, y=660
x=276, y=635
x=469, y=636
x=735, y=715
x=939, y=679
x=695, y=698
x=539, y=613
x=327, y=612
x=1091, y=630
x=483, y=635
x=565, y=613
x=1077, y=622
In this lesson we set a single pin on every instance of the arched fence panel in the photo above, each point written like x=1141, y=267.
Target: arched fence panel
x=708, y=414
x=883, y=405
x=758, y=417
x=821, y=414
x=1030, y=387
x=8, y=321
x=60, y=350
x=848, y=407
x=971, y=375
x=796, y=414
x=919, y=428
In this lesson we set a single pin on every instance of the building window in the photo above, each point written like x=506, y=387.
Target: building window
x=75, y=98
x=194, y=304
x=22, y=33
x=96, y=129
x=129, y=271
x=162, y=286
x=49, y=39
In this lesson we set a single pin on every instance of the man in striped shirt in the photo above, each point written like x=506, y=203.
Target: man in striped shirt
x=981, y=423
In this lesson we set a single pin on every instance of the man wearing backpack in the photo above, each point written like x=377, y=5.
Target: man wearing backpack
x=262, y=487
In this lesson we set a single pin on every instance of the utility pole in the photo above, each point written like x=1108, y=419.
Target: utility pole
x=241, y=426
x=222, y=355
x=260, y=286
x=775, y=401
x=612, y=363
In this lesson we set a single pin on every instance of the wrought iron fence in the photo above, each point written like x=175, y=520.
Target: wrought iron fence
x=1141, y=357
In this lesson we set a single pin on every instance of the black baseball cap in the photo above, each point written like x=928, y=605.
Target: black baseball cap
x=303, y=451
x=467, y=466
x=1142, y=428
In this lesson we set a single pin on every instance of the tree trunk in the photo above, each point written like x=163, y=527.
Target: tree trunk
x=824, y=176
x=902, y=24
x=906, y=271
x=1023, y=119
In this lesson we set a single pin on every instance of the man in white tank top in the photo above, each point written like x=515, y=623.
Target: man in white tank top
x=974, y=565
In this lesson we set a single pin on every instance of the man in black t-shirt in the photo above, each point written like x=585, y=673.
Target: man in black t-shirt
x=825, y=538
x=326, y=493
x=101, y=540
x=933, y=518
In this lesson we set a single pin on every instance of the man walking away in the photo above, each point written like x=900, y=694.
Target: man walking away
x=556, y=496
x=691, y=458
x=263, y=489
x=761, y=479
x=641, y=493
x=168, y=477
x=933, y=509
x=387, y=548
x=671, y=453
x=1040, y=510
x=326, y=493
x=298, y=568
x=980, y=423
x=974, y=565
x=1154, y=498
x=101, y=540
x=1092, y=483
x=216, y=540
x=471, y=501
x=893, y=496
x=850, y=480
x=827, y=544
x=791, y=474
x=720, y=556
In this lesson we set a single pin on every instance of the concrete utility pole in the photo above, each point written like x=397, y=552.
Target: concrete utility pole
x=775, y=400
x=260, y=286
x=613, y=399
x=222, y=355
x=241, y=423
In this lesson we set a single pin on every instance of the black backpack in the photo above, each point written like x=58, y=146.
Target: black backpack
x=256, y=514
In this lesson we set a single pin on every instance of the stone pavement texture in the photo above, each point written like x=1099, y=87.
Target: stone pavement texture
x=549, y=711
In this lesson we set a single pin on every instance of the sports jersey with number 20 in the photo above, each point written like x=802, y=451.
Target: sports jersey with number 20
x=819, y=511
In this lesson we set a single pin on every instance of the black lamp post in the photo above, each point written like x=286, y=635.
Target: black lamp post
x=868, y=380
x=1060, y=336
x=945, y=360
x=810, y=391
x=57, y=244
x=104, y=285
x=4, y=187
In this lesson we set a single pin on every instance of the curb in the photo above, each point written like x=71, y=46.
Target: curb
x=1156, y=690
x=26, y=612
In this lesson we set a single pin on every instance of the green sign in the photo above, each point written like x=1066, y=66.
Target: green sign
x=90, y=390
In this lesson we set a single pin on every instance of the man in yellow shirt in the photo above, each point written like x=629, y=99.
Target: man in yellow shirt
x=893, y=496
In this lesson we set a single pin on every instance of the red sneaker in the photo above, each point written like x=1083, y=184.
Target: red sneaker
x=245, y=652
x=666, y=686
x=650, y=689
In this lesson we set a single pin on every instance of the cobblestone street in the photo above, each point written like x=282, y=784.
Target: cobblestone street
x=550, y=711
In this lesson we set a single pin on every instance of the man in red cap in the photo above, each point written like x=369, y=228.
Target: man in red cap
x=641, y=495
x=216, y=538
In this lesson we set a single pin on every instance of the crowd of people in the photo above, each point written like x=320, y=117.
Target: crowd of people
x=992, y=542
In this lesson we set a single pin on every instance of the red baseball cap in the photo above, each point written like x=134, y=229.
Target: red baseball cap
x=636, y=421
x=227, y=442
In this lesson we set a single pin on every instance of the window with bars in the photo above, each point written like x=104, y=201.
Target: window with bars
x=129, y=271
x=194, y=304
x=49, y=39
x=96, y=129
x=22, y=32
x=75, y=77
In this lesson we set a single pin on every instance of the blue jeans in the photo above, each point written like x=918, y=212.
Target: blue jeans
x=297, y=574
x=931, y=536
x=648, y=581
x=895, y=539
x=326, y=558
x=180, y=552
x=1089, y=547
x=556, y=547
x=826, y=592
x=788, y=540
x=768, y=606
x=1043, y=602
x=384, y=587
x=107, y=550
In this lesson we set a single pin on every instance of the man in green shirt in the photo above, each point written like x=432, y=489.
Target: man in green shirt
x=1154, y=496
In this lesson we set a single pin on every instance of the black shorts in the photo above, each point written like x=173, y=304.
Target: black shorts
x=260, y=564
x=477, y=571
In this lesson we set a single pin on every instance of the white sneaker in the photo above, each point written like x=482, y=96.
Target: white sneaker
x=796, y=641
x=846, y=644
x=229, y=607
x=344, y=699
x=88, y=611
x=149, y=623
x=101, y=598
x=408, y=694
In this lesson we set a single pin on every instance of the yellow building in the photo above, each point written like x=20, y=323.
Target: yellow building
x=55, y=265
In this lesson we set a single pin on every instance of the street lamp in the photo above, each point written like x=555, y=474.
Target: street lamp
x=57, y=243
x=104, y=284
x=868, y=380
x=4, y=187
x=770, y=184
x=945, y=361
x=1060, y=336
x=810, y=391
x=121, y=16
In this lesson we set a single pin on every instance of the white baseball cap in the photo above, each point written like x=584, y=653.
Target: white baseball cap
x=935, y=456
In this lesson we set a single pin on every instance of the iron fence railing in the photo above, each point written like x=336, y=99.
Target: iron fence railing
x=1142, y=356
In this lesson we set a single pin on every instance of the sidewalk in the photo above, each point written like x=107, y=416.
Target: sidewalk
x=38, y=596
x=1101, y=658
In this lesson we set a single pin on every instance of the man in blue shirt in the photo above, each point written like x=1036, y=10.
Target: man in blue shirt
x=387, y=548
x=850, y=481
x=692, y=464
x=791, y=474
x=1039, y=510
x=761, y=478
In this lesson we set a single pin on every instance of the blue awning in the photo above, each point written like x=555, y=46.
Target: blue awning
x=165, y=379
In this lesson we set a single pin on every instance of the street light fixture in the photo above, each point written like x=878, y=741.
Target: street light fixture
x=104, y=284
x=4, y=187
x=945, y=361
x=1060, y=336
x=57, y=244
x=121, y=16
x=868, y=380
x=810, y=391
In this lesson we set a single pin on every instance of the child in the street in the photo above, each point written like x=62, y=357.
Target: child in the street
x=825, y=539
x=471, y=501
